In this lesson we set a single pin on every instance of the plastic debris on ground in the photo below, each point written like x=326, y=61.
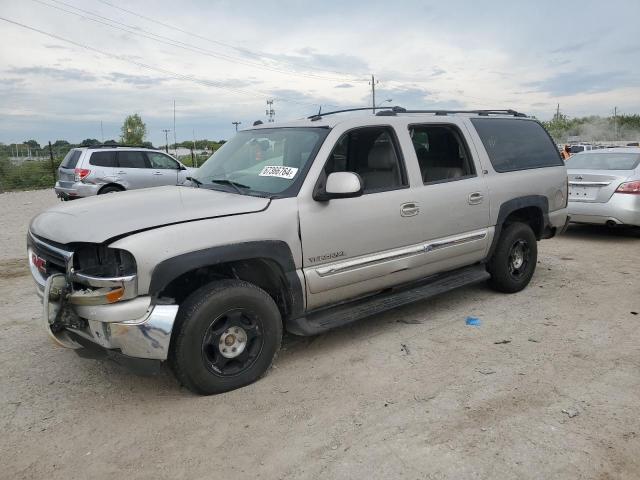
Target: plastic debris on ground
x=473, y=321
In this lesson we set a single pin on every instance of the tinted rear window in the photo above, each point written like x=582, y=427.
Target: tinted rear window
x=103, y=159
x=132, y=160
x=71, y=159
x=604, y=161
x=516, y=144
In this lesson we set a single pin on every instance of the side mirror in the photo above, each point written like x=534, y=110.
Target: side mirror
x=340, y=185
x=181, y=167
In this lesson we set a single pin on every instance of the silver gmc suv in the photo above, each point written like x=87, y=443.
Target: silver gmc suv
x=103, y=169
x=304, y=227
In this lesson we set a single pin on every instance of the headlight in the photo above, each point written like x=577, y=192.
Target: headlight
x=102, y=275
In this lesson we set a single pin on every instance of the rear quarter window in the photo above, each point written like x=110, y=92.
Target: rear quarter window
x=103, y=159
x=514, y=144
x=71, y=159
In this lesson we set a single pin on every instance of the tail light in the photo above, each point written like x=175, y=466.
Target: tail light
x=81, y=173
x=629, y=187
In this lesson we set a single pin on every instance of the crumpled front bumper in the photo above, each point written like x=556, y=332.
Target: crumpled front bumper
x=146, y=336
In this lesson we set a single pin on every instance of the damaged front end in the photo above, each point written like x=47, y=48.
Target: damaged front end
x=90, y=298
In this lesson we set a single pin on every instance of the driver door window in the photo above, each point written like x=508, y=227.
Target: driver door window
x=163, y=162
x=372, y=153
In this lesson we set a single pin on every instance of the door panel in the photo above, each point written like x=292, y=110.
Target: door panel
x=164, y=169
x=133, y=169
x=368, y=231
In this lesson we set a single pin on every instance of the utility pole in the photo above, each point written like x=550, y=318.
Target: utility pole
x=558, y=112
x=270, y=111
x=175, y=142
x=236, y=124
x=101, y=131
x=166, y=139
x=615, y=122
x=373, y=92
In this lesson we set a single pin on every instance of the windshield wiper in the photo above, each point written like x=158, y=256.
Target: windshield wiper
x=236, y=186
x=194, y=180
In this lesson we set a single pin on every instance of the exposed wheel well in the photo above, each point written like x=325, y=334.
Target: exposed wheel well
x=262, y=272
x=111, y=185
x=532, y=216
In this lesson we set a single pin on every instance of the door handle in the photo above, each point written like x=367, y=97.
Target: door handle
x=475, y=198
x=121, y=172
x=409, y=209
x=157, y=173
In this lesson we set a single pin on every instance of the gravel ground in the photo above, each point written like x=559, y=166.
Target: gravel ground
x=548, y=386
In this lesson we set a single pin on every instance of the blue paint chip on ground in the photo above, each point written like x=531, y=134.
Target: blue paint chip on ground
x=473, y=321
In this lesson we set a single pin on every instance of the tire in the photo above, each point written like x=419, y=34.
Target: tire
x=110, y=189
x=230, y=315
x=514, y=260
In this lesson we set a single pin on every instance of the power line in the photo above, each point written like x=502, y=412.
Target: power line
x=179, y=76
x=243, y=50
x=133, y=30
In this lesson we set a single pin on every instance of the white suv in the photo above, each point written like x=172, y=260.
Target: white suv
x=101, y=169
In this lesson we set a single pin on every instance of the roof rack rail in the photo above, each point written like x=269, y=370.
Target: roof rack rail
x=392, y=111
x=114, y=145
x=477, y=112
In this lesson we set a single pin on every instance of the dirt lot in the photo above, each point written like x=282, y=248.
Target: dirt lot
x=412, y=394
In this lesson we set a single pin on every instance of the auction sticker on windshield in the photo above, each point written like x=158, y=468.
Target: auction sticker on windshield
x=279, y=171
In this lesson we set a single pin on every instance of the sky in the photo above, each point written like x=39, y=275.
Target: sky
x=73, y=69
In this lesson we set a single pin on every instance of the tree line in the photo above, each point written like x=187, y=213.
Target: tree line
x=594, y=128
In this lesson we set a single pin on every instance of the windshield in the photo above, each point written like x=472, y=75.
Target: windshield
x=604, y=161
x=264, y=161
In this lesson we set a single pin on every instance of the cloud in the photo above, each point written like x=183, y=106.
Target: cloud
x=576, y=82
x=344, y=85
x=571, y=47
x=57, y=73
x=310, y=58
x=137, y=80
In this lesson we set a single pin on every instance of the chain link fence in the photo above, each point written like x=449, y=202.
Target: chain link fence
x=28, y=173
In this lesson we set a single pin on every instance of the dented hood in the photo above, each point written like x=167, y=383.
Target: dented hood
x=97, y=219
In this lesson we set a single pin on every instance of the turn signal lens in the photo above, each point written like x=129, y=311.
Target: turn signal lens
x=629, y=187
x=81, y=173
x=114, y=295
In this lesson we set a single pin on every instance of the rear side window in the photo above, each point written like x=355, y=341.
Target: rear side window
x=71, y=159
x=516, y=144
x=604, y=161
x=132, y=160
x=103, y=159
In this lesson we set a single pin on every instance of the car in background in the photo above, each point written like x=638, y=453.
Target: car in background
x=582, y=147
x=604, y=187
x=101, y=169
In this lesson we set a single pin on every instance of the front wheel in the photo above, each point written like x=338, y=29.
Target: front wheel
x=227, y=335
x=514, y=260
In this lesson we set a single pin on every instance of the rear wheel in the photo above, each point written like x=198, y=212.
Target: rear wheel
x=110, y=189
x=514, y=259
x=227, y=335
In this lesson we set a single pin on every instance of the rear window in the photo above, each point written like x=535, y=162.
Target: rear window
x=71, y=159
x=604, y=161
x=132, y=160
x=516, y=144
x=103, y=159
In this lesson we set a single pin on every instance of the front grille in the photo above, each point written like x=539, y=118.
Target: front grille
x=55, y=257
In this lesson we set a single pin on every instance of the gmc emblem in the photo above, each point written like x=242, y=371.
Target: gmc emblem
x=39, y=263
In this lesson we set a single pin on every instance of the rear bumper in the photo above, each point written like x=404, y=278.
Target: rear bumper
x=621, y=209
x=555, y=223
x=75, y=190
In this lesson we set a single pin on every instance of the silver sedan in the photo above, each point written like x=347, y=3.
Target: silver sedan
x=604, y=187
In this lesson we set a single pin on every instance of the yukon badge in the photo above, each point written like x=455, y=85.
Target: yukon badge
x=326, y=256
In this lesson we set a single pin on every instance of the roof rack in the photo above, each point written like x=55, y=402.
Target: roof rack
x=393, y=111
x=117, y=145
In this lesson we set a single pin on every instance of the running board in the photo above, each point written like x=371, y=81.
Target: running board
x=343, y=314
